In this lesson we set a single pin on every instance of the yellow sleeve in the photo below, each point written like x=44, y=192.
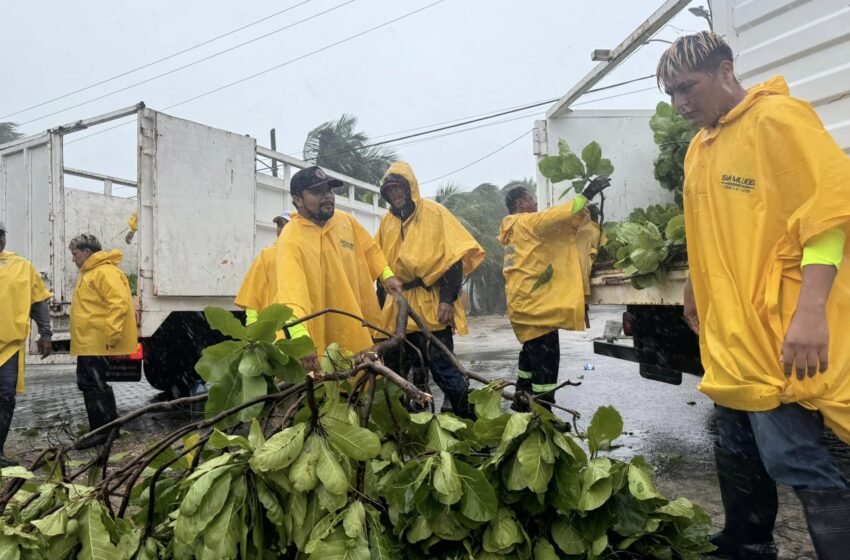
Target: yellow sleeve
x=826, y=248
x=38, y=292
x=254, y=285
x=387, y=274
x=116, y=295
x=375, y=259
x=559, y=216
x=133, y=222
x=297, y=331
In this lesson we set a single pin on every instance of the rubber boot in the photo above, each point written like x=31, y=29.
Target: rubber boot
x=828, y=518
x=750, y=504
x=5, y=424
x=523, y=385
x=462, y=408
x=101, y=410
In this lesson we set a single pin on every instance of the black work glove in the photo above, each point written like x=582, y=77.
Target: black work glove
x=596, y=186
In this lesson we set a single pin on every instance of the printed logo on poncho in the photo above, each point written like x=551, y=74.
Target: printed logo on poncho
x=346, y=244
x=737, y=184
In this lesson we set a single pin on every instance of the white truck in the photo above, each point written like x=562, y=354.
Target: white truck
x=808, y=42
x=204, y=212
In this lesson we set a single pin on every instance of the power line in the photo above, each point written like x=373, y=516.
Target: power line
x=157, y=61
x=267, y=70
x=468, y=165
x=179, y=68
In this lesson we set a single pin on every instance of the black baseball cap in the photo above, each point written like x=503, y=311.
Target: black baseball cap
x=310, y=177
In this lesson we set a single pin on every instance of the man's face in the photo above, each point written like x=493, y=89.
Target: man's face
x=700, y=97
x=396, y=195
x=80, y=257
x=2, y=241
x=527, y=203
x=317, y=203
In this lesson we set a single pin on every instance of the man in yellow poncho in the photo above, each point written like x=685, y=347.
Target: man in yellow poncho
x=326, y=259
x=103, y=324
x=259, y=287
x=430, y=251
x=767, y=211
x=543, y=283
x=23, y=296
x=589, y=237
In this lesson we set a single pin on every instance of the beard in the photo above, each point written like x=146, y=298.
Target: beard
x=326, y=212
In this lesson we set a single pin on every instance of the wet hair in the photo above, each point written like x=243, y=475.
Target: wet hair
x=85, y=242
x=700, y=52
x=513, y=196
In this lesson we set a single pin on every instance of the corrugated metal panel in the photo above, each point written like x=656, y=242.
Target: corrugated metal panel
x=807, y=41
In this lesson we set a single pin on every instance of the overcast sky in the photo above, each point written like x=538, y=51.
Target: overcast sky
x=455, y=59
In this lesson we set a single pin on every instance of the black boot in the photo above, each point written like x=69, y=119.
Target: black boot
x=750, y=504
x=101, y=410
x=828, y=518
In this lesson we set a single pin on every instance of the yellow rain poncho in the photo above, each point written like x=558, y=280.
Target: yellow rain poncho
x=22, y=286
x=331, y=266
x=589, y=237
x=428, y=242
x=543, y=279
x=259, y=287
x=758, y=187
x=103, y=321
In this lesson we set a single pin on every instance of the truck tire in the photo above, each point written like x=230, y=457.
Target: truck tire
x=174, y=349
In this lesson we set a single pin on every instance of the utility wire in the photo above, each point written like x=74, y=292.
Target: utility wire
x=267, y=70
x=179, y=68
x=157, y=61
x=479, y=160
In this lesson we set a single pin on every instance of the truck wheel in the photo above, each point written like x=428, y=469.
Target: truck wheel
x=172, y=352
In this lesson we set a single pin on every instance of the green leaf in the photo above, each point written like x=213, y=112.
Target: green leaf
x=251, y=364
x=571, y=166
x=487, y=401
x=93, y=535
x=220, y=440
x=419, y=530
x=271, y=503
x=296, y=348
x=596, y=485
x=599, y=545
x=421, y=418
x=189, y=525
x=675, y=230
x=275, y=313
x=280, y=450
x=537, y=472
x=544, y=278
x=502, y=532
x=200, y=489
x=52, y=525
x=16, y=472
x=567, y=537
x=568, y=486
x=356, y=443
x=450, y=422
x=263, y=331
x=440, y=439
x=226, y=323
x=252, y=388
x=329, y=470
x=479, y=498
x=354, y=520
x=517, y=424
x=605, y=427
x=550, y=167
x=255, y=435
x=680, y=507
x=604, y=167
x=641, y=484
x=446, y=481
x=543, y=550
x=303, y=471
x=592, y=155
x=220, y=535
x=217, y=361
x=489, y=432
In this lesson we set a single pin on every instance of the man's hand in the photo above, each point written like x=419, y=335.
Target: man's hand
x=311, y=363
x=596, y=186
x=446, y=314
x=394, y=285
x=806, y=343
x=45, y=347
x=690, y=305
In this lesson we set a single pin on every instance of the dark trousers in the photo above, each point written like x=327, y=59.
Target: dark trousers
x=538, y=364
x=787, y=440
x=8, y=384
x=99, y=398
x=445, y=374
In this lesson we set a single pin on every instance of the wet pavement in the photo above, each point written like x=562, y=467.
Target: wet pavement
x=669, y=425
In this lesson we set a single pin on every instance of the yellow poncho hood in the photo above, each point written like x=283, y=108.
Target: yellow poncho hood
x=22, y=286
x=758, y=187
x=424, y=246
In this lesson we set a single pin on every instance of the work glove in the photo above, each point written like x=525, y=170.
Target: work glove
x=596, y=186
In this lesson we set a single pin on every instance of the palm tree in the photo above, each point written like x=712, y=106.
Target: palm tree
x=8, y=132
x=337, y=145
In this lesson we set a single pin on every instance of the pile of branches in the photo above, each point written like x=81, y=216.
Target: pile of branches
x=335, y=465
